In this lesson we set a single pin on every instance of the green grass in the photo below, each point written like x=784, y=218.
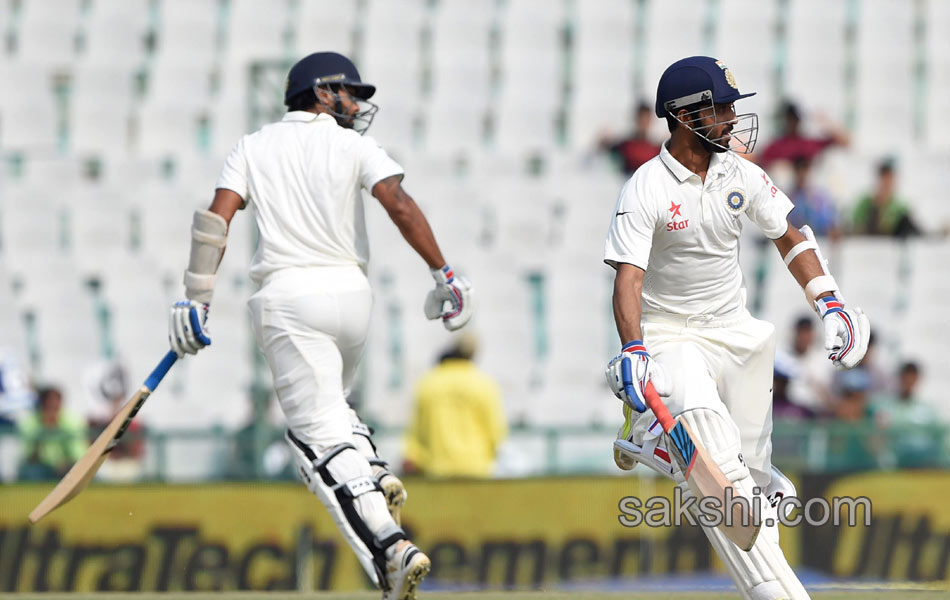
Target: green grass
x=901, y=594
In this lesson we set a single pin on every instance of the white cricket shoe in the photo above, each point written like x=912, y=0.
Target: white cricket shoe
x=406, y=565
x=394, y=492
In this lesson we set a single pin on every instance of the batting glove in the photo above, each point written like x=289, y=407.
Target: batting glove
x=454, y=290
x=186, y=327
x=628, y=374
x=846, y=331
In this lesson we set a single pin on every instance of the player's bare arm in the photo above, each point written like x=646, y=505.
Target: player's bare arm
x=226, y=203
x=453, y=299
x=847, y=330
x=628, y=285
x=630, y=371
x=407, y=216
x=805, y=266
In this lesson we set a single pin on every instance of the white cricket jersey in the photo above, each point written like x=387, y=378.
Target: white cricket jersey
x=304, y=175
x=685, y=233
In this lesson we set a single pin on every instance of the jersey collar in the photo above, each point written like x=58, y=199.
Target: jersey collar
x=303, y=116
x=676, y=167
x=716, y=165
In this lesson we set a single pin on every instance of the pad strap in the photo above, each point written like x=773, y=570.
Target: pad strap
x=819, y=285
x=798, y=249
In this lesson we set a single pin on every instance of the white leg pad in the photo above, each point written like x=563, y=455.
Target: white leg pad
x=762, y=573
x=366, y=524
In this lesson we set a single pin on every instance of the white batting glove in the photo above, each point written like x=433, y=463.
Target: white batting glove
x=186, y=327
x=628, y=373
x=457, y=292
x=847, y=332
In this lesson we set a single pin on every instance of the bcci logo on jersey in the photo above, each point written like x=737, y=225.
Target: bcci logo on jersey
x=735, y=200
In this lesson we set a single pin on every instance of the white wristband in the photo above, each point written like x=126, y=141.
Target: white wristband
x=818, y=285
x=798, y=249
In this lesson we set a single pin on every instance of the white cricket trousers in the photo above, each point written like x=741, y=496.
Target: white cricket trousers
x=724, y=364
x=311, y=325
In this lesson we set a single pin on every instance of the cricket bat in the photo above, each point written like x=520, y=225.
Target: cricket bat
x=85, y=468
x=703, y=475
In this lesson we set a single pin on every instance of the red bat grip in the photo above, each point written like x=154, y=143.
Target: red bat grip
x=659, y=409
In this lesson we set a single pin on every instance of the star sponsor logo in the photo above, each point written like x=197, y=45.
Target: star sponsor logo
x=675, y=211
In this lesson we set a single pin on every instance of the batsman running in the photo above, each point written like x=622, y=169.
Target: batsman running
x=304, y=176
x=679, y=306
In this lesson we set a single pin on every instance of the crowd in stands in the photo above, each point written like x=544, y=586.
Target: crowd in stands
x=880, y=211
x=52, y=432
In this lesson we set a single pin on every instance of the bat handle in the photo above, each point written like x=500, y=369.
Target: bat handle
x=659, y=409
x=152, y=381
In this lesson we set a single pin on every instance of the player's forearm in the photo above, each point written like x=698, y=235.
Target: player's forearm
x=804, y=267
x=628, y=285
x=415, y=229
x=412, y=224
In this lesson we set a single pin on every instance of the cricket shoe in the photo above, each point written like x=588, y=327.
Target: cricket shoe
x=394, y=492
x=406, y=565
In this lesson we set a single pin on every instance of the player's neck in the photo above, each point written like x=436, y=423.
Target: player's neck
x=689, y=152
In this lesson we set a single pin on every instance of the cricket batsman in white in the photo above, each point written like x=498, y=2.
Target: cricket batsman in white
x=304, y=176
x=679, y=306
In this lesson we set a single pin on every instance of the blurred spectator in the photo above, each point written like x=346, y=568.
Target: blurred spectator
x=881, y=212
x=17, y=396
x=914, y=425
x=53, y=439
x=634, y=150
x=853, y=403
x=879, y=379
x=813, y=204
x=458, y=422
x=803, y=373
x=794, y=144
x=107, y=383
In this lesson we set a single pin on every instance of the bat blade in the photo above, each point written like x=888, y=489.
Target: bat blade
x=704, y=477
x=706, y=480
x=81, y=473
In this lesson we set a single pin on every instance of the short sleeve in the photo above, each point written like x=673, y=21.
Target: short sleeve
x=769, y=206
x=630, y=236
x=234, y=174
x=375, y=164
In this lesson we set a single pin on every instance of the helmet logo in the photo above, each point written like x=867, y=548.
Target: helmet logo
x=730, y=79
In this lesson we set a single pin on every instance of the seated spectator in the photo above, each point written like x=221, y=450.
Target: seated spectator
x=881, y=212
x=807, y=374
x=879, y=379
x=915, y=428
x=53, y=439
x=17, y=396
x=458, y=423
x=793, y=144
x=634, y=150
x=852, y=403
x=813, y=204
x=107, y=384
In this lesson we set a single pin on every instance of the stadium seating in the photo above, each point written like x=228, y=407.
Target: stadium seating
x=115, y=118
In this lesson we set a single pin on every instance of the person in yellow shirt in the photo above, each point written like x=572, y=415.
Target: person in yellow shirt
x=458, y=422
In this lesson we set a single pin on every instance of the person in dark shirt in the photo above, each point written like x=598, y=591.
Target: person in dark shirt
x=793, y=144
x=631, y=152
